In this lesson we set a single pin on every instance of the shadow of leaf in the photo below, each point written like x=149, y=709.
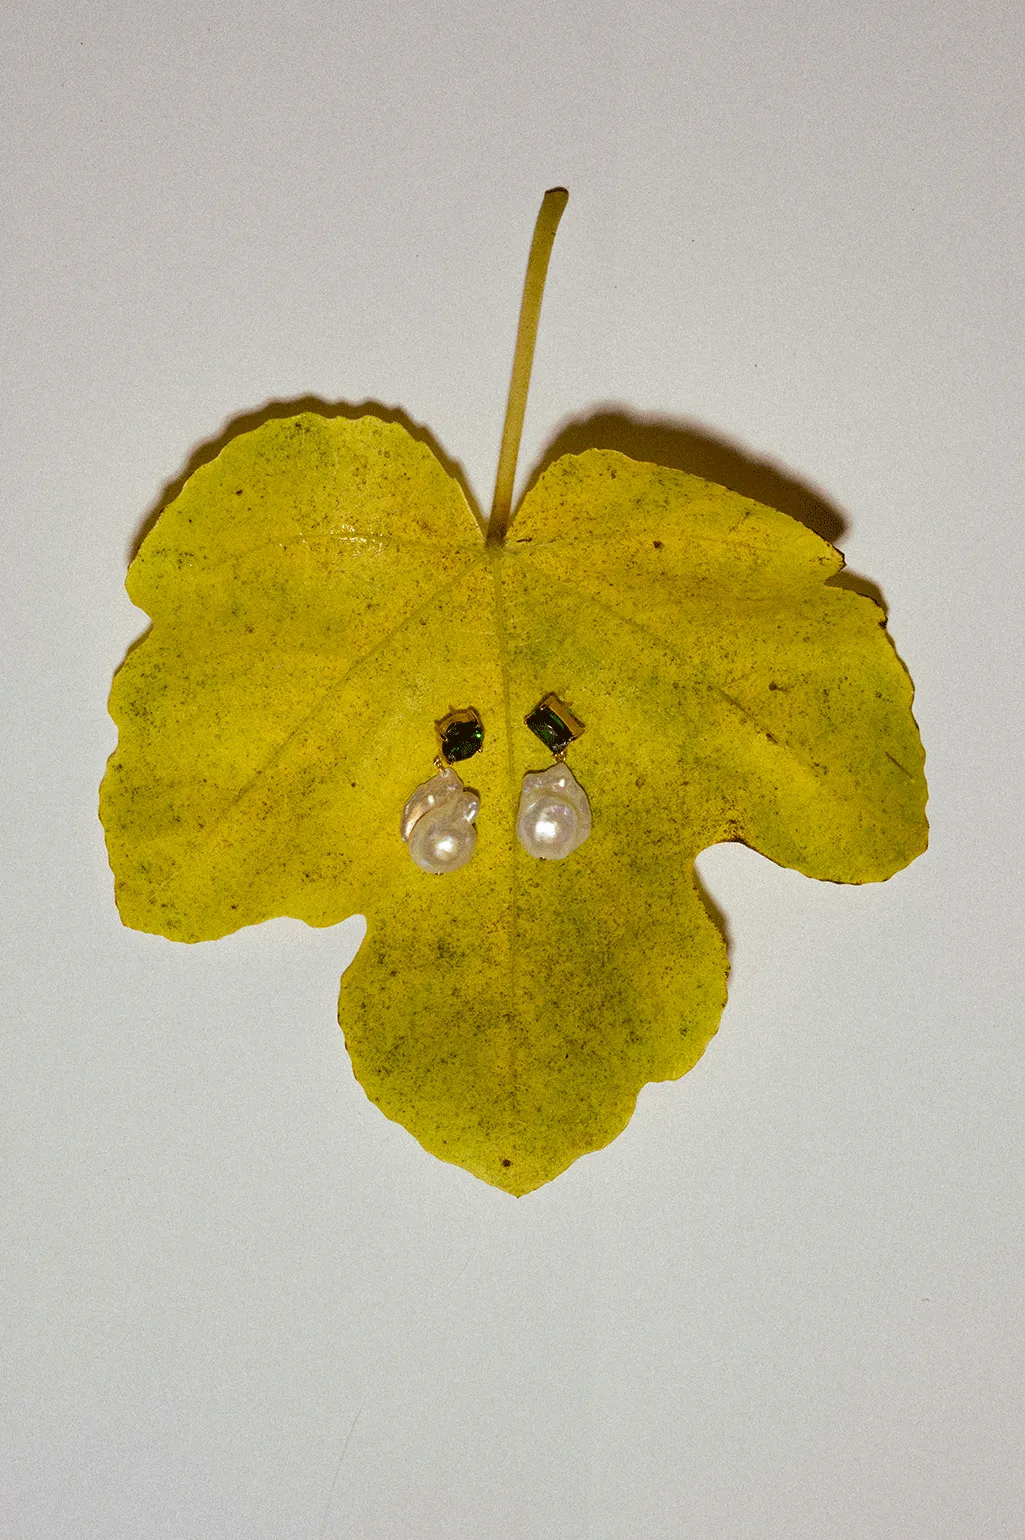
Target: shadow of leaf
x=684, y=446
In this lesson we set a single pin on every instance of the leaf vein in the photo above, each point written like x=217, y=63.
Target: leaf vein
x=210, y=829
x=652, y=637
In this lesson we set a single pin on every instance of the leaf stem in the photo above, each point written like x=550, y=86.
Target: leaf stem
x=552, y=206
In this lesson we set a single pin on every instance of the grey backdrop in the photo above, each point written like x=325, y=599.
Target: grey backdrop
x=787, y=1301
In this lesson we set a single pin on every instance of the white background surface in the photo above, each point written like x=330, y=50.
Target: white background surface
x=787, y=1301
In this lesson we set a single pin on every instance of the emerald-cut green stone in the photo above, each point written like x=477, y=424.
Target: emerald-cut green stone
x=556, y=728
x=462, y=734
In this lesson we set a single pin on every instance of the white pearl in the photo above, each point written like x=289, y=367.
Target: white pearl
x=437, y=823
x=554, y=816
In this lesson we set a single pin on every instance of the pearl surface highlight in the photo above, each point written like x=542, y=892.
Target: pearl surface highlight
x=437, y=823
x=554, y=816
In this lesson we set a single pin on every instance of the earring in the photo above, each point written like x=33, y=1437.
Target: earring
x=554, y=816
x=437, y=820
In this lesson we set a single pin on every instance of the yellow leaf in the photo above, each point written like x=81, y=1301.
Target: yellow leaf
x=322, y=594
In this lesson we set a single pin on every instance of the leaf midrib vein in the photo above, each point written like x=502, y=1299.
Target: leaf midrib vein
x=503, y=658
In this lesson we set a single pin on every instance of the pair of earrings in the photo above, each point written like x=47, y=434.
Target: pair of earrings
x=554, y=815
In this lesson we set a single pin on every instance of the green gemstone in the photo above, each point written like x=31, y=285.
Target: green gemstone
x=461, y=739
x=550, y=728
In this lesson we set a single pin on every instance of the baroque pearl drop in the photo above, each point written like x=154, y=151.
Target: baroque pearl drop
x=555, y=815
x=437, y=823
